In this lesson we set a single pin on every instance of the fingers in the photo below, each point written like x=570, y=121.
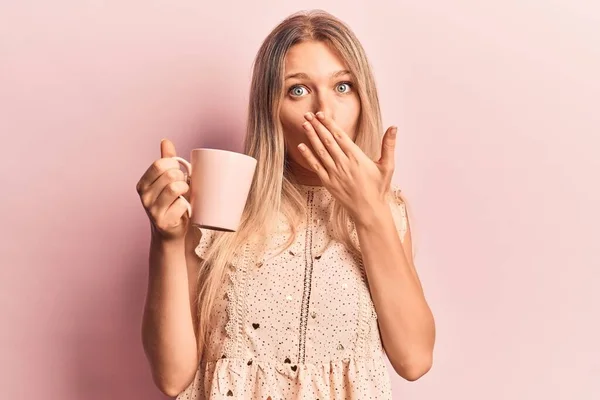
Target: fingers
x=154, y=171
x=314, y=163
x=167, y=149
x=164, y=190
x=325, y=137
x=388, y=149
x=168, y=201
x=176, y=210
x=158, y=167
x=320, y=149
x=326, y=124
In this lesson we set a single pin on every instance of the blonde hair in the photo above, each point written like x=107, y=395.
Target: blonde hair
x=272, y=190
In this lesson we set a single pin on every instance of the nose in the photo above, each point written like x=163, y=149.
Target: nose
x=325, y=103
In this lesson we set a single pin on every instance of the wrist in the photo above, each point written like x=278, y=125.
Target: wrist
x=166, y=244
x=373, y=216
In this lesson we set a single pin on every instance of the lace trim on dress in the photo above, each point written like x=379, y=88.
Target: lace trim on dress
x=206, y=240
x=399, y=212
x=236, y=308
x=366, y=309
x=235, y=289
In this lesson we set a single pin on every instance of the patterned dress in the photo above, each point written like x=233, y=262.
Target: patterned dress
x=298, y=324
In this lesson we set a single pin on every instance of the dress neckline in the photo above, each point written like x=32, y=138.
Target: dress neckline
x=312, y=188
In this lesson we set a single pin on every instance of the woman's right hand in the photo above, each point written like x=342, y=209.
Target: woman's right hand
x=159, y=189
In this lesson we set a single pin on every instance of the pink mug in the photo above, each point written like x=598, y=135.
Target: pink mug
x=220, y=182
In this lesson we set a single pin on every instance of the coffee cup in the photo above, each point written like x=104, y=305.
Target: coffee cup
x=219, y=183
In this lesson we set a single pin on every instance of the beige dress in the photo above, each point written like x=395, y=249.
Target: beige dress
x=300, y=326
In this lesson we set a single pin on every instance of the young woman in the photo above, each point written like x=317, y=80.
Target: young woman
x=318, y=282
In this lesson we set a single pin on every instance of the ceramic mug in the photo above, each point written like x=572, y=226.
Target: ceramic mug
x=219, y=182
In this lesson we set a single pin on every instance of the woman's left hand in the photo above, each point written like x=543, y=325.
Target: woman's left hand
x=359, y=183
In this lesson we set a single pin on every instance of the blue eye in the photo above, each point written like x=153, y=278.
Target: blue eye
x=345, y=83
x=296, y=90
x=296, y=87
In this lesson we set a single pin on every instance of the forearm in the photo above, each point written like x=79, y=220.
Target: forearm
x=167, y=326
x=405, y=320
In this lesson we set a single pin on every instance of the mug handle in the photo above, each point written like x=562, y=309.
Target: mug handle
x=188, y=168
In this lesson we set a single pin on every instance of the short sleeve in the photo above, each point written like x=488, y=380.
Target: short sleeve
x=399, y=213
x=206, y=240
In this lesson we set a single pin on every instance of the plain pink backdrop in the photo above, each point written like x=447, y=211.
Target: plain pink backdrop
x=497, y=104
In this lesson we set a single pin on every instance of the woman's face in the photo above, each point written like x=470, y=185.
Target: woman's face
x=313, y=82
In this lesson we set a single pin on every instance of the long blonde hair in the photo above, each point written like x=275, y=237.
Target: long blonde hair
x=272, y=190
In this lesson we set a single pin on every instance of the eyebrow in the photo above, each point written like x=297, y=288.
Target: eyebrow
x=302, y=75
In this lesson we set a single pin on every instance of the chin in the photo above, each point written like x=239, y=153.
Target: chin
x=304, y=164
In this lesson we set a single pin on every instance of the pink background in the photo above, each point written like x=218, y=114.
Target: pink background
x=497, y=105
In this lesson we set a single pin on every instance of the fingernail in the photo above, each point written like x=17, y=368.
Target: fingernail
x=308, y=116
x=320, y=115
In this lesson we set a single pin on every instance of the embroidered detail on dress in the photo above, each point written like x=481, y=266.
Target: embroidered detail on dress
x=236, y=306
x=399, y=211
x=363, y=305
x=307, y=279
x=207, y=237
